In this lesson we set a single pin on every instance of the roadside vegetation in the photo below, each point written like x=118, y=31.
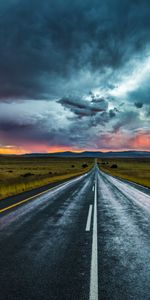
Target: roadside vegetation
x=136, y=170
x=20, y=173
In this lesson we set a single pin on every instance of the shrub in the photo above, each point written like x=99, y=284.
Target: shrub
x=84, y=165
x=114, y=166
x=27, y=174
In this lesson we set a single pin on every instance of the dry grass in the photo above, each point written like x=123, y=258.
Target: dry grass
x=18, y=173
x=136, y=170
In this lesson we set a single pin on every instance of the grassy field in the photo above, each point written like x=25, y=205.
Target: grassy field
x=18, y=173
x=136, y=170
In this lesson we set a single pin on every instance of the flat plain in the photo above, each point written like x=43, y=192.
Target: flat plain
x=21, y=173
x=136, y=170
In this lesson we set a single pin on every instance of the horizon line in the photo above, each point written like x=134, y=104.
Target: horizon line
x=73, y=151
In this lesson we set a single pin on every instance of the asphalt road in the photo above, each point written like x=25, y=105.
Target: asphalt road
x=88, y=238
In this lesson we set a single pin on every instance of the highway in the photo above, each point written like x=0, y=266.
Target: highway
x=85, y=239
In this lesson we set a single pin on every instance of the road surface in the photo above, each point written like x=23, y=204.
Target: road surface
x=88, y=238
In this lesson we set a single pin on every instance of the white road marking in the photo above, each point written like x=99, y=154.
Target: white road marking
x=94, y=259
x=88, y=224
x=93, y=188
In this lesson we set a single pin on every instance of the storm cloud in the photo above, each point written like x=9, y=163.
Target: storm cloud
x=73, y=73
x=82, y=107
x=44, y=44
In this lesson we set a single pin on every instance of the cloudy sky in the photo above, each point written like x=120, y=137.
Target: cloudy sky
x=74, y=75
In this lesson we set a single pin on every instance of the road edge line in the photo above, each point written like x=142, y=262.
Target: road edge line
x=39, y=194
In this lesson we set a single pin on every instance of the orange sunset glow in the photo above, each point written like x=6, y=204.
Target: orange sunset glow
x=141, y=141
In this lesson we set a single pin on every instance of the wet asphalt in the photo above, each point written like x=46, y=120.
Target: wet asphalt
x=45, y=251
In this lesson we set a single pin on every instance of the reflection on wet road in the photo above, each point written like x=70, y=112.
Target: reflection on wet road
x=86, y=239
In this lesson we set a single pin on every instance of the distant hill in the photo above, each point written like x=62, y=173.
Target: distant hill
x=111, y=154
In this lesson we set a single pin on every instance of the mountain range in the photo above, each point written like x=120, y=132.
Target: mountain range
x=110, y=154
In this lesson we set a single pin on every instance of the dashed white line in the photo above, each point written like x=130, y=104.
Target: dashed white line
x=93, y=188
x=88, y=224
x=94, y=258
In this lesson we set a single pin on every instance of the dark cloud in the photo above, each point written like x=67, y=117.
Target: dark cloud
x=128, y=119
x=41, y=129
x=138, y=104
x=82, y=107
x=148, y=113
x=14, y=126
x=112, y=112
x=140, y=95
x=47, y=128
x=45, y=44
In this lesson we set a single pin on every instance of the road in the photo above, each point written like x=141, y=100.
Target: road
x=88, y=238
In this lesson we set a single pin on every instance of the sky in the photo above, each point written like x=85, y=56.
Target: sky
x=74, y=75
